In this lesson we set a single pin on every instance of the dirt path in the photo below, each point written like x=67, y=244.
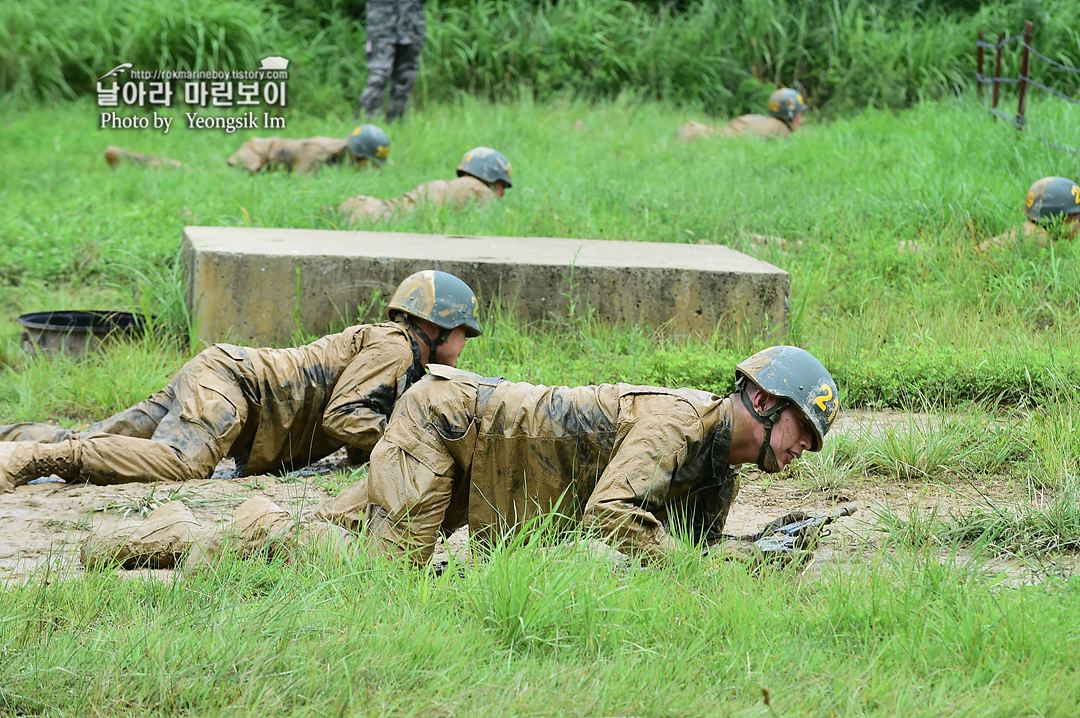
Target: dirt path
x=43, y=525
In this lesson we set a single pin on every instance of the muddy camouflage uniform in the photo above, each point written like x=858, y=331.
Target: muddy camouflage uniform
x=756, y=125
x=395, y=38
x=116, y=156
x=302, y=155
x=271, y=410
x=1048, y=200
x=627, y=460
x=455, y=193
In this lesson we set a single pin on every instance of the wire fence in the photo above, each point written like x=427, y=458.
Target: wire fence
x=1023, y=82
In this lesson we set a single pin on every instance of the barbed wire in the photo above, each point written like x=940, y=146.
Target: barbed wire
x=1059, y=147
x=1020, y=124
x=1019, y=121
x=1053, y=92
x=998, y=45
x=1052, y=62
x=984, y=80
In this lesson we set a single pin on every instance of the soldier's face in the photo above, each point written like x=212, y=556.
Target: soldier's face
x=449, y=351
x=791, y=436
x=498, y=188
x=796, y=121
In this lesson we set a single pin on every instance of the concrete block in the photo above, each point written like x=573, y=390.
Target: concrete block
x=254, y=286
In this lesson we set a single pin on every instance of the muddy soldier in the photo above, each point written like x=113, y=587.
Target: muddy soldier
x=367, y=145
x=629, y=461
x=272, y=410
x=117, y=156
x=1052, y=208
x=786, y=108
x=395, y=38
x=483, y=174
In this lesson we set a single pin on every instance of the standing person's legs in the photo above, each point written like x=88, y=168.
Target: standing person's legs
x=380, y=64
x=406, y=66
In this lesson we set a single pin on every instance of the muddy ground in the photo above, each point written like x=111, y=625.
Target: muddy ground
x=43, y=525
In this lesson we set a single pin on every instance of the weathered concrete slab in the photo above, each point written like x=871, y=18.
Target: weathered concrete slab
x=252, y=285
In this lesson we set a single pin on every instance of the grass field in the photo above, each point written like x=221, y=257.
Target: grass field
x=987, y=343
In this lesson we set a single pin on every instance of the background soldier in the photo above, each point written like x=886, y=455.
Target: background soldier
x=483, y=174
x=1052, y=203
x=269, y=409
x=630, y=461
x=785, y=116
x=365, y=144
x=116, y=156
x=395, y=38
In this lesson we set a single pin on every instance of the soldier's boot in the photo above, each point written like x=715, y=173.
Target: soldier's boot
x=160, y=541
x=23, y=461
x=257, y=524
x=34, y=431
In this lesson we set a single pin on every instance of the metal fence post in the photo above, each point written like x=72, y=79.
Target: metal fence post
x=1024, y=75
x=979, y=61
x=997, y=70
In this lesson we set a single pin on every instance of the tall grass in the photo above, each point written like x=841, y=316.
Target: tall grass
x=844, y=54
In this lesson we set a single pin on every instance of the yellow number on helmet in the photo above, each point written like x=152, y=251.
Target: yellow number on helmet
x=1030, y=199
x=382, y=152
x=1076, y=194
x=356, y=131
x=799, y=99
x=823, y=398
x=475, y=309
x=774, y=105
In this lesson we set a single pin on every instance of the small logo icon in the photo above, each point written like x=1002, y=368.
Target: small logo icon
x=274, y=62
x=116, y=71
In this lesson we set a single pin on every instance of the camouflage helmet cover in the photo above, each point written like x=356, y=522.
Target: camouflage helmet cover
x=369, y=141
x=1051, y=198
x=439, y=297
x=785, y=103
x=487, y=165
x=795, y=374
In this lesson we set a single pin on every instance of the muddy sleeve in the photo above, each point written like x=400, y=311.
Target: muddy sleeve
x=364, y=396
x=635, y=485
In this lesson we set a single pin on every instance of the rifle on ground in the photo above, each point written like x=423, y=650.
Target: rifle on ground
x=795, y=533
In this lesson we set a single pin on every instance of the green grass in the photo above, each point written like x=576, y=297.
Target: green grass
x=542, y=632
x=926, y=625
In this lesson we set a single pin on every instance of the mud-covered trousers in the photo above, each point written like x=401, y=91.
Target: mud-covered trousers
x=179, y=433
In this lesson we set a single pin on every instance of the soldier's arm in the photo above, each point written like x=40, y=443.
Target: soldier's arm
x=364, y=395
x=636, y=482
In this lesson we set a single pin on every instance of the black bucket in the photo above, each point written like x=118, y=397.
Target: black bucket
x=75, y=333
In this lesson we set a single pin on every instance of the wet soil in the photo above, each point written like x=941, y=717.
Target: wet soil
x=42, y=525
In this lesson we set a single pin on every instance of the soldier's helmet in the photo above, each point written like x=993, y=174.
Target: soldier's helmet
x=369, y=141
x=486, y=165
x=439, y=297
x=796, y=375
x=1051, y=198
x=784, y=104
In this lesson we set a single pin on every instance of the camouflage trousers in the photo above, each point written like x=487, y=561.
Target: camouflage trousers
x=396, y=64
x=179, y=433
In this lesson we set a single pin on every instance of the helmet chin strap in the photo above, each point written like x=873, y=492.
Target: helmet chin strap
x=432, y=344
x=767, y=420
